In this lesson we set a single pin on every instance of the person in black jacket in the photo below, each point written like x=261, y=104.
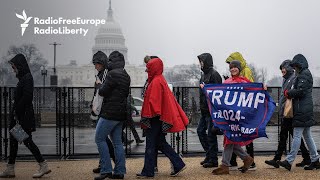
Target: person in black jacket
x=100, y=62
x=303, y=119
x=23, y=112
x=115, y=91
x=286, y=123
x=208, y=141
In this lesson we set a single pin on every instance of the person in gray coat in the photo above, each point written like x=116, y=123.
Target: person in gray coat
x=303, y=118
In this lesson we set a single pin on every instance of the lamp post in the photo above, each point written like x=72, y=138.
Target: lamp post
x=44, y=74
x=54, y=77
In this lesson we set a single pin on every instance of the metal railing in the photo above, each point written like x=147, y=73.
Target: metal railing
x=65, y=130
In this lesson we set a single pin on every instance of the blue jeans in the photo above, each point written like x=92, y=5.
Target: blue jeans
x=298, y=132
x=155, y=140
x=208, y=141
x=105, y=128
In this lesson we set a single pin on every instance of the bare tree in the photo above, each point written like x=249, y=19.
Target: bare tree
x=33, y=56
x=259, y=74
x=183, y=75
x=275, y=81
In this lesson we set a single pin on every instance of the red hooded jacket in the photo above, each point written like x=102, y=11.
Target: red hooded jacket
x=159, y=101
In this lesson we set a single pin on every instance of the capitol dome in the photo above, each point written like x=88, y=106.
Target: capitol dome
x=110, y=38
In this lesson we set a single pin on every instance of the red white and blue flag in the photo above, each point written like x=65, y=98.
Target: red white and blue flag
x=240, y=110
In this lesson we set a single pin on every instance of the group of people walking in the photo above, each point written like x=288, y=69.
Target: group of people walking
x=161, y=114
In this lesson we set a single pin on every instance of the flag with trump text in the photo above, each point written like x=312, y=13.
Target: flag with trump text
x=240, y=110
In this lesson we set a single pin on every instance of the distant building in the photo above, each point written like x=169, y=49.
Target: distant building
x=108, y=39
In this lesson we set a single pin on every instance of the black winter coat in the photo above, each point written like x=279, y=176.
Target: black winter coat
x=302, y=94
x=23, y=96
x=210, y=76
x=115, y=89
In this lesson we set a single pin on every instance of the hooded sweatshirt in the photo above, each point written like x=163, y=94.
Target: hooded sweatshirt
x=209, y=76
x=245, y=70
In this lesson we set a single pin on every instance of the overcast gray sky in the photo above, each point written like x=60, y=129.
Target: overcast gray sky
x=266, y=32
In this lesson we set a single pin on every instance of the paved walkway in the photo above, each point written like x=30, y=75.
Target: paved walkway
x=82, y=169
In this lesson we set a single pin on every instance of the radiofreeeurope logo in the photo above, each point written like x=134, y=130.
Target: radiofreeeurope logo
x=26, y=19
x=58, y=26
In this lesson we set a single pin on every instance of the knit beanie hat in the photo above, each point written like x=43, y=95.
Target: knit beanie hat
x=235, y=63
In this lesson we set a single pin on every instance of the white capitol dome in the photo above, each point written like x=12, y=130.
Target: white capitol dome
x=109, y=37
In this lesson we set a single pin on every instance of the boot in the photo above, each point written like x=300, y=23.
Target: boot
x=9, y=172
x=247, y=162
x=221, y=170
x=44, y=169
x=97, y=170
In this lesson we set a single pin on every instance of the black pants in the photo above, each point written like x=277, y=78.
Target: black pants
x=29, y=144
x=130, y=123
x=286, y=128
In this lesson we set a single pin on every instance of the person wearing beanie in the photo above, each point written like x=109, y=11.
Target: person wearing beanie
x=303, y=120
x=208, y=139
x=231, y=147
x=23, y=112
x=246, y=72
x=286, y=123
x=99, y=60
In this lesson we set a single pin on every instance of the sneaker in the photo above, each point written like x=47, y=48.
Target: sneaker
x=253, y=167
x=117, y=176
x=103, y=176
x=141, y=176
x=303, y=163
x=285, y=164
x=210, y=165
x=272, y=162
x=313, y=165
x=204, y=161
x=176, y=173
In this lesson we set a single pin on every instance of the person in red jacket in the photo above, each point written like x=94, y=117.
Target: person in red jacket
x=230, y=146
x=160, y=114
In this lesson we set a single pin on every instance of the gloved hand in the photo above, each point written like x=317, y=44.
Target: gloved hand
x=225, y=77
x=285, y=93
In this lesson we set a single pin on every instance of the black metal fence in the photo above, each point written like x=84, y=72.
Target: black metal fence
x=65, y=130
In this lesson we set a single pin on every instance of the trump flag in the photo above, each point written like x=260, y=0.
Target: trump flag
x=240, y=110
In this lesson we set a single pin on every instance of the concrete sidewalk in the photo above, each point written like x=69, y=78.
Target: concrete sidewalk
x=82, y=169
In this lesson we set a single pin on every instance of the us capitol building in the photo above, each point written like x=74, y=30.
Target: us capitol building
x=108, y=39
